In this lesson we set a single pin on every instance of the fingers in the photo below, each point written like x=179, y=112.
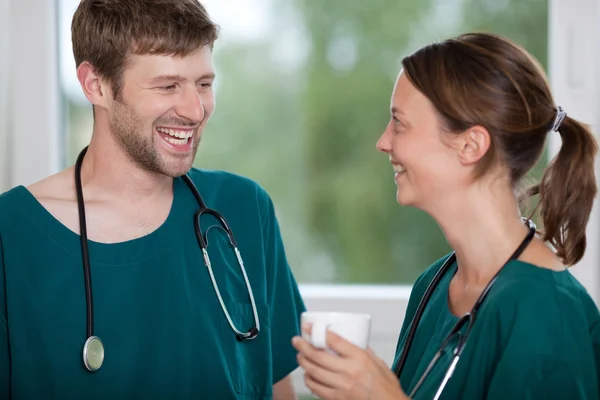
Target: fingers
x=341, y=346
x=307, y=328
x=322, y=376
x=335, y=342
x=318, y=389
x=319, y=357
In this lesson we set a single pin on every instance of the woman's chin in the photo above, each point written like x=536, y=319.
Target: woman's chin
x=406, y=198
x=403, y=199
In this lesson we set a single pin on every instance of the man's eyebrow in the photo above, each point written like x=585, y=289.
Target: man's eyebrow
x=209, y=75
x=163, y=78
x=179, y=78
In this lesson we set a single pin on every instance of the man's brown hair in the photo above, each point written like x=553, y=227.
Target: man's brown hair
x=106, y=32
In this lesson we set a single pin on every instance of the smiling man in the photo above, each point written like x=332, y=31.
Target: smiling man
x=111, y=285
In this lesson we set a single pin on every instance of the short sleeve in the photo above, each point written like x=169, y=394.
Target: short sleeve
x=4, y=346
x=283, y=295
x=545, y=346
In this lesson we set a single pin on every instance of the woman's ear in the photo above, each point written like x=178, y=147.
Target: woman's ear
x=473, y=143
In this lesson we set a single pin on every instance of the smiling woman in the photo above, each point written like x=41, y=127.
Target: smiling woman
x=489, y=320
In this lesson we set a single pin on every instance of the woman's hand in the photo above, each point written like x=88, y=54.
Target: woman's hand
x=351, y=374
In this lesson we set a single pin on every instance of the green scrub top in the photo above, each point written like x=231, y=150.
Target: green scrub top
x=164, y=332
x=536, y=336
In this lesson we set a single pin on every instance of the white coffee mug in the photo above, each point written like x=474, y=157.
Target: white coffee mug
x=354, y=327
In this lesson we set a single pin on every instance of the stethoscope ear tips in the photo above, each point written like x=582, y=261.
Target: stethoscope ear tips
x=529, y=222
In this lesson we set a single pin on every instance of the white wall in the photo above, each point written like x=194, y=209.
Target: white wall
x=34, y=103
x=5, y=161
x=575, y=77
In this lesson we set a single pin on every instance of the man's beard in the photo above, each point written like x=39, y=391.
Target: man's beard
x=128, y=130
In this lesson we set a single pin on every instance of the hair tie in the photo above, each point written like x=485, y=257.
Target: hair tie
x=558, y=120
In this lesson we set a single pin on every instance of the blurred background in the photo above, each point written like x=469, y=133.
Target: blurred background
x=303, y=90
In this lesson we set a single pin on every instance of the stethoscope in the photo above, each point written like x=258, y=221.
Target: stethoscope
x=93, y=349
x=467, y=319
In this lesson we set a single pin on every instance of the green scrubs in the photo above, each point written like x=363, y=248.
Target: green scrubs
x=165, y=334
x=537, y=336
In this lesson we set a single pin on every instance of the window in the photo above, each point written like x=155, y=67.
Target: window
x=302, y=95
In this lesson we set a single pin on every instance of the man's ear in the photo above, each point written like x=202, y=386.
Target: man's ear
x=473, y=144
x=96, y=89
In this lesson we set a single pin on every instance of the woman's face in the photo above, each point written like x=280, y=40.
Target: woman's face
x=426, y=169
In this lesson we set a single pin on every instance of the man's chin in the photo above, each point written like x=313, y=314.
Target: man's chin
x=176, y=165
x=176, y=171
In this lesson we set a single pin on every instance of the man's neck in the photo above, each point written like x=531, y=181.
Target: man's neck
x=108, y=172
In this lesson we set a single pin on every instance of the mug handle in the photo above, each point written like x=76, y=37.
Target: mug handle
x=318, y=336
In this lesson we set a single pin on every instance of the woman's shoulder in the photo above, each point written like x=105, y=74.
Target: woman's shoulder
x=546, y=331
x=525, y=281
x=538, y=301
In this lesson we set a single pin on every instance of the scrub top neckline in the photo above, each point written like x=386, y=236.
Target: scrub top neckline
x=133, y=250
x=523, y=267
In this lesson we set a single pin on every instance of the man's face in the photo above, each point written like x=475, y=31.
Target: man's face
x=165, y=102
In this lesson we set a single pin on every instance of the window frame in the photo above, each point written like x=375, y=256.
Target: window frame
x=34, y=111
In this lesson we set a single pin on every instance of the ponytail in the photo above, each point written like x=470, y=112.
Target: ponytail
x=567, y=191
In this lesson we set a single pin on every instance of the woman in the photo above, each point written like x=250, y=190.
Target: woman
x=470, y=117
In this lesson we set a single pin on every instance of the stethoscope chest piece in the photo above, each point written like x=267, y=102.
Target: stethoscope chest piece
x=93, y=353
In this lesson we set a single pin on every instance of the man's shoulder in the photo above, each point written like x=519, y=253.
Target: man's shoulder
x=58, y=186
x=11, y=201
x=10, y=198
x=20, y=198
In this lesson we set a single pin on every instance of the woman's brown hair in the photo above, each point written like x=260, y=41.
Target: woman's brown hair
x=481, y=79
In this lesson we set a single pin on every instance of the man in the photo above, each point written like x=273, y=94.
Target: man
x=154, y=316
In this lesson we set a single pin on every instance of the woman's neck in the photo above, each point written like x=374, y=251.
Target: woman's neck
x=484, y=228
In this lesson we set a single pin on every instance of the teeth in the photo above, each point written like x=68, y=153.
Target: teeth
x=398, y=168
x=177, y=142
x=177, y=134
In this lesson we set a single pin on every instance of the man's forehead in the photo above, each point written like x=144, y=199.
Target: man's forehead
x=152, y=65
